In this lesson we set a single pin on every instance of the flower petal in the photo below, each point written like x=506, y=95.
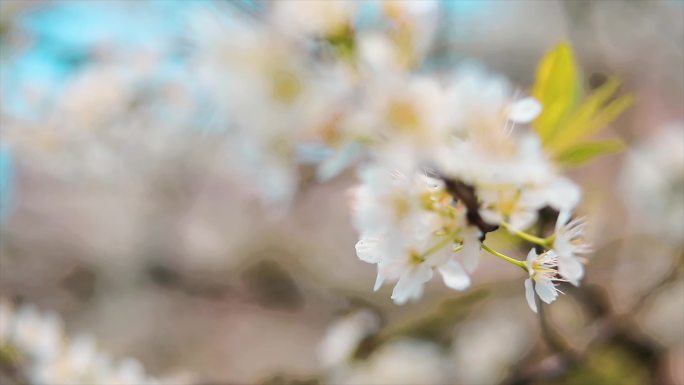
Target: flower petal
x=454, y=276
x=529, y=295
x=523, y=218
x=524, y=110
x=368, y=249
x=546, y=291
x=563, y=218
x=471, y=248
x=563, y=194
x=410, y=285
x=531, y=256
x=338, y=162
x=571, y=269
x=379, y=279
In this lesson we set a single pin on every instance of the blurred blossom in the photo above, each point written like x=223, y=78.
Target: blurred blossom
x=344, y=336
x=400, y=362
x=314, y=18
x=513, y=175
x=68, y=35
x=653, y=183
x=487, y=346
x=246, y=68
x=47, y=356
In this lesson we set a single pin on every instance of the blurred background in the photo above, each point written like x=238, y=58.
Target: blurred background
x=123, y=210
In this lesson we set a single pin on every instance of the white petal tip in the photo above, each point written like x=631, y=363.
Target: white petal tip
x=524, y=110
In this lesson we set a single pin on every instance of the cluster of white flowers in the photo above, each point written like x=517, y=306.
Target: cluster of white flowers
x=109, y=106
x=444, y=156
x=304, y=83
x=35, y=342
x=409, y=226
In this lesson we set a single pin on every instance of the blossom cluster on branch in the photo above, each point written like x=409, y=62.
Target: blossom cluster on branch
x=444, y=154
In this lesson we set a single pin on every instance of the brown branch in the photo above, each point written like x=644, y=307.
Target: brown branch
x=466, y=194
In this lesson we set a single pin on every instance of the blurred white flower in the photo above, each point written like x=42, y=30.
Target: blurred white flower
x=269, y=93
x=412, y=28
x=38, y=334
x=390, y=195
x=652, y=183
x=49, y=357
x=509, y=206
x=396, y=109
x=400, y=362
x=72, y=365
x=543, y=269
x=314, y=18
x=492, y=341
x=5, y=321
x=133, y=106
x=343, y=337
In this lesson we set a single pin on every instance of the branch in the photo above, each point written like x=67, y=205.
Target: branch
x=466, y=194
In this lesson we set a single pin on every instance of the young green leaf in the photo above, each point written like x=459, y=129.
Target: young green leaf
x=583, y=153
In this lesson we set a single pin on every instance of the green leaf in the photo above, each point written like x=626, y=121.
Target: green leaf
x=568, y=118
x=557, y=87
x=585, y=152
x=593, y=114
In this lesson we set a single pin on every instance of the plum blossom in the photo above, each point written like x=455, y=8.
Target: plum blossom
x=570, y=245
x=314, y=18
x=409, y=228
x=652, y=183
x=395, y=109
x=344, y=336
x=494, y=151
x=543, y=271
x=403, y=361
x=248, y=69
x=48, y=356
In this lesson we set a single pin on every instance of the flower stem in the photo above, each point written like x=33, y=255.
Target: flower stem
x=506, y=258
x=546, y=242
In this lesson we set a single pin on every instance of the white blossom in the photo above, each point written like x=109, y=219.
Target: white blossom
x=570, y=246
x=652, y=183
x=49, y=357
x=409, y=228
x=269, y=92
x=543, y=270
x=344, y=335
x=314, y=18
x=404, y=361
x=495, y=152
